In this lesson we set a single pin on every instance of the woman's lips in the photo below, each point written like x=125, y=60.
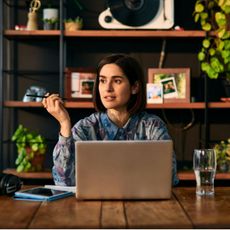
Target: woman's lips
x=109, y=98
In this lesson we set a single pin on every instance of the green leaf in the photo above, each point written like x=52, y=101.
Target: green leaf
x=212, y=74
x=24, y=162
x=20, y=168
x=225, y=53
x=216, y=65
x=212, y=52
x=227, y=44
x=201, y=56
x=220, y=45
x=206, y=43
x=204, y=15
x=226, y=35
x=28, y=166
x=221, y=33
x=204, y=66
x=196, y=17
x=206, y=27
x=220, y=19
x=29, y=136
x=199, y=8
x=19, y=159
x=35, y=147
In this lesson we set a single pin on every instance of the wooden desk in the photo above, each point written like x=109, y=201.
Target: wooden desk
x=184, y=210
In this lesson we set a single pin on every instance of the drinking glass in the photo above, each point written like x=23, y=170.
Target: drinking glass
x=204, y=165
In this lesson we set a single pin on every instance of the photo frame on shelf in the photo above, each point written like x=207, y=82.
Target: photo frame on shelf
x=80, y=83
x=154, y=93
x=175, y=83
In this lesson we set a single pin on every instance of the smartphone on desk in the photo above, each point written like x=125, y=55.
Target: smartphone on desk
x=41, y=194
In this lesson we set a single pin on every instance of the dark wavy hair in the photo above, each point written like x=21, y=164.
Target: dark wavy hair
x=133, y=71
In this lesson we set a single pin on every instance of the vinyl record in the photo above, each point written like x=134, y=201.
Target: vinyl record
x=134, y=12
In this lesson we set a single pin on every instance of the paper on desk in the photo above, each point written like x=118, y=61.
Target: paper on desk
x=62, y=188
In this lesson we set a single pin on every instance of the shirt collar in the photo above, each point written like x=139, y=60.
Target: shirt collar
x=111, y=129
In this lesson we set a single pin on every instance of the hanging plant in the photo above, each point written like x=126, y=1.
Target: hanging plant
x=214, y=56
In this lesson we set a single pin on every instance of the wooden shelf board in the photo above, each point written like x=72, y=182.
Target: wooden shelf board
x=84, y=104
x=22, y=104
x=194, y=105
x=30, y=175
x=108, y=33
x=135, y=33
x=218, y=105
x=23, y=33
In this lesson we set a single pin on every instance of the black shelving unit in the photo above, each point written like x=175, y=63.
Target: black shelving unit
x=1, y=85
x=101, y=36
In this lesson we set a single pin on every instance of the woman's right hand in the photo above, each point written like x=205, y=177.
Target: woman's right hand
x=55, y=106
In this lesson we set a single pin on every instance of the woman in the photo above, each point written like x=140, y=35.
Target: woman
x=119, y=98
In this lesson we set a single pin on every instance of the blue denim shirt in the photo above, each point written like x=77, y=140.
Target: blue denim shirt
x=98, y=126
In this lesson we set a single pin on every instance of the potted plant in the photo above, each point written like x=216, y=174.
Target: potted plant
x=222, y=150
x=50, y=17
x=214, y=56
x=31, y=149
x=73, y=24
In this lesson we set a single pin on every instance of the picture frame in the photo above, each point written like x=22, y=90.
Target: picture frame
x=175, y=82
x=79, y=83
x=154, y=93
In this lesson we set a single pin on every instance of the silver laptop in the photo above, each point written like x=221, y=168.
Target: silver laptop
x=124, y=169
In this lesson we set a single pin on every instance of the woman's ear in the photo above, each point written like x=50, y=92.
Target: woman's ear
x=135, y=88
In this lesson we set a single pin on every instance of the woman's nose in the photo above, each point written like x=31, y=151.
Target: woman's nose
x=109, y=86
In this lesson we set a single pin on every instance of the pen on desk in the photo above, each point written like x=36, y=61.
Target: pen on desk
x=42, y=96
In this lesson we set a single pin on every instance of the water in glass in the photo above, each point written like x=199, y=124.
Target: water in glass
x=204, y=164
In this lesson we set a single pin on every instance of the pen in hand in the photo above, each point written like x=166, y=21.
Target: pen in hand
x=42, y=96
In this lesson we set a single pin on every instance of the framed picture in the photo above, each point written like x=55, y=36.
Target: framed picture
x=175, y=83
x=79, y=83
x=154, y=93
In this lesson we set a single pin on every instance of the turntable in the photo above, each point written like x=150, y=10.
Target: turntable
x=138, y=14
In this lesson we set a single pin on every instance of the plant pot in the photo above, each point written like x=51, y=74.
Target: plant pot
x=49, y=26
x=223, y=167
x=50, y=13
x=34, y=161
x=72, y=26
x=37, y=162
x=226, y=84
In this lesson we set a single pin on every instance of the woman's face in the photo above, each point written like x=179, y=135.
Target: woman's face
x=114, y=87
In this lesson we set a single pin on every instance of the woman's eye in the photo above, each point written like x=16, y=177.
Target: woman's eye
x=102, y=80
x=118, y=81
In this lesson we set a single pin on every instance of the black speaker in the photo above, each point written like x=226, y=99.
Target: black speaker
x=9, y=184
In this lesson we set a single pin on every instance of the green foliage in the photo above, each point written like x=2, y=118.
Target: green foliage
x=78, y=20
x=222, y=150
x=214, y=56
x=28, y=145
x=50, y=20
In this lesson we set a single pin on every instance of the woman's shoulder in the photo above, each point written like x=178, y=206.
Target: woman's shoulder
x=89, y=120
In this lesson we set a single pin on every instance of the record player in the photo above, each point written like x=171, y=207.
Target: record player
x=138, y=14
